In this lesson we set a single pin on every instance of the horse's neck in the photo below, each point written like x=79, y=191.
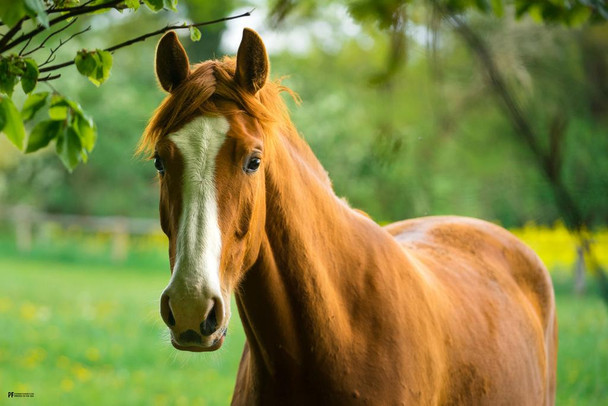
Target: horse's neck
x=319, y=270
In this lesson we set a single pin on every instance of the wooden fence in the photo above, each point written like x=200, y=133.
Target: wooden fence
x=26, y=220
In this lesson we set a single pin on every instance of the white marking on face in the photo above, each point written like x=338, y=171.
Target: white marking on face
x=198, y=249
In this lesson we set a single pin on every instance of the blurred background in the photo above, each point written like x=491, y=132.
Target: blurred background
x=406, y=125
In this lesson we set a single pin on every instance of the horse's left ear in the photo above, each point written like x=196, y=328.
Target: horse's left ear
x=172, y=65
x=252, y=64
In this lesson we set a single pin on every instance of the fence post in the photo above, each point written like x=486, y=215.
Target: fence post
x=120, y=241
x=23, y=228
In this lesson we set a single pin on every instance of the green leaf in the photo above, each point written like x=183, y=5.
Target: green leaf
x=85, y=62
x=58, y=112
x=87, y=130
x=522, y=7
x=195, y=34
x=550, y=12
x=68, y=147
x=103, y=72
x=134, y=4
x=8, y=76
x=29, y=78
x=13, y=127
x=498, y=7
x=43, y=133
x=33, y=103
x=483, y=5
x=59, y=108
x=12, y=12
x=154, y=5
x=95, y=65
x=35, y=8
x=74, y=106
x=577, y=15
x=170, y=4
x=535, y=12
x=2, y=118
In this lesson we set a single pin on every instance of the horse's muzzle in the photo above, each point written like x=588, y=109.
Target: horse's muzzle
x=189, y=342
x=195, y=322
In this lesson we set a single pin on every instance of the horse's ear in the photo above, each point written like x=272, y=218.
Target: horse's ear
x=172, y=65
x=252, y=64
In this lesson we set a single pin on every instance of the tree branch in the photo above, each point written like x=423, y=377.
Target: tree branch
x=565, y=201
x=69, y=9
x=174, y=27
x=62, y=42
x=5, y=46
x=477, y=45
x=27, y=44
x=151, y=34
x=11, y=33
x=49, y=77
x=569, y=209
x=46, y=39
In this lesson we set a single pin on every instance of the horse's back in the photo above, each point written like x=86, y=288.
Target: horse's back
x=499, y=305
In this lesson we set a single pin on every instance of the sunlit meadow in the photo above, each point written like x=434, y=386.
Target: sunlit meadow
x=77, y=328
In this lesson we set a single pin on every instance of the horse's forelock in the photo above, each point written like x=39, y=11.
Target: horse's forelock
x=195, y=96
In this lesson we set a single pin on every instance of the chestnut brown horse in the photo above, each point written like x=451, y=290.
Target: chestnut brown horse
x=336, y=309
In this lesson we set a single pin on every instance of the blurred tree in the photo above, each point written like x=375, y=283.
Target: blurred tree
x=547, y=151
x=72, y=130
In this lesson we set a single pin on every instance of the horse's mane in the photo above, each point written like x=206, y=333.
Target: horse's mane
x=208, y=84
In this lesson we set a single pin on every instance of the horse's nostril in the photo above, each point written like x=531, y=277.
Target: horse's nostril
x=170, y=318
x=165, y=311
x=209, y=326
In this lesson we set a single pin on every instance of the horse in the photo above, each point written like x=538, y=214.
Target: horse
x=336, y=309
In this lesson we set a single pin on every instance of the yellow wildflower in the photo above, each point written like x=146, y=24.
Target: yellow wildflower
x=67, y=385
x=92, y=354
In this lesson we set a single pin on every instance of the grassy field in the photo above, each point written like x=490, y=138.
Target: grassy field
x=79, y=335
x=75, y=333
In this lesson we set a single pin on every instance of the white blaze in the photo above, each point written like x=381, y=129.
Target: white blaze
x=198, y=249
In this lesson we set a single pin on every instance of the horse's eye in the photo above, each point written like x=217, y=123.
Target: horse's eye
x=158, y=164
x=252, y=165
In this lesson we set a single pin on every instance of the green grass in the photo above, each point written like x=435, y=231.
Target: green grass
x=74, y=333
x=582, y=373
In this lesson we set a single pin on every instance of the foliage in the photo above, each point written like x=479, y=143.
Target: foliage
x=389, y=13
x=10, y=121
x=432, y=140
x=72, y=131
x=95, y=65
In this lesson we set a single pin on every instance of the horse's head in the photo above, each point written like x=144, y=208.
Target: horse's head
x=208, y=144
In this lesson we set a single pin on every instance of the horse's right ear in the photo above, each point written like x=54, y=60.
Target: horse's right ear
x=172, y=65
x=252, y=64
